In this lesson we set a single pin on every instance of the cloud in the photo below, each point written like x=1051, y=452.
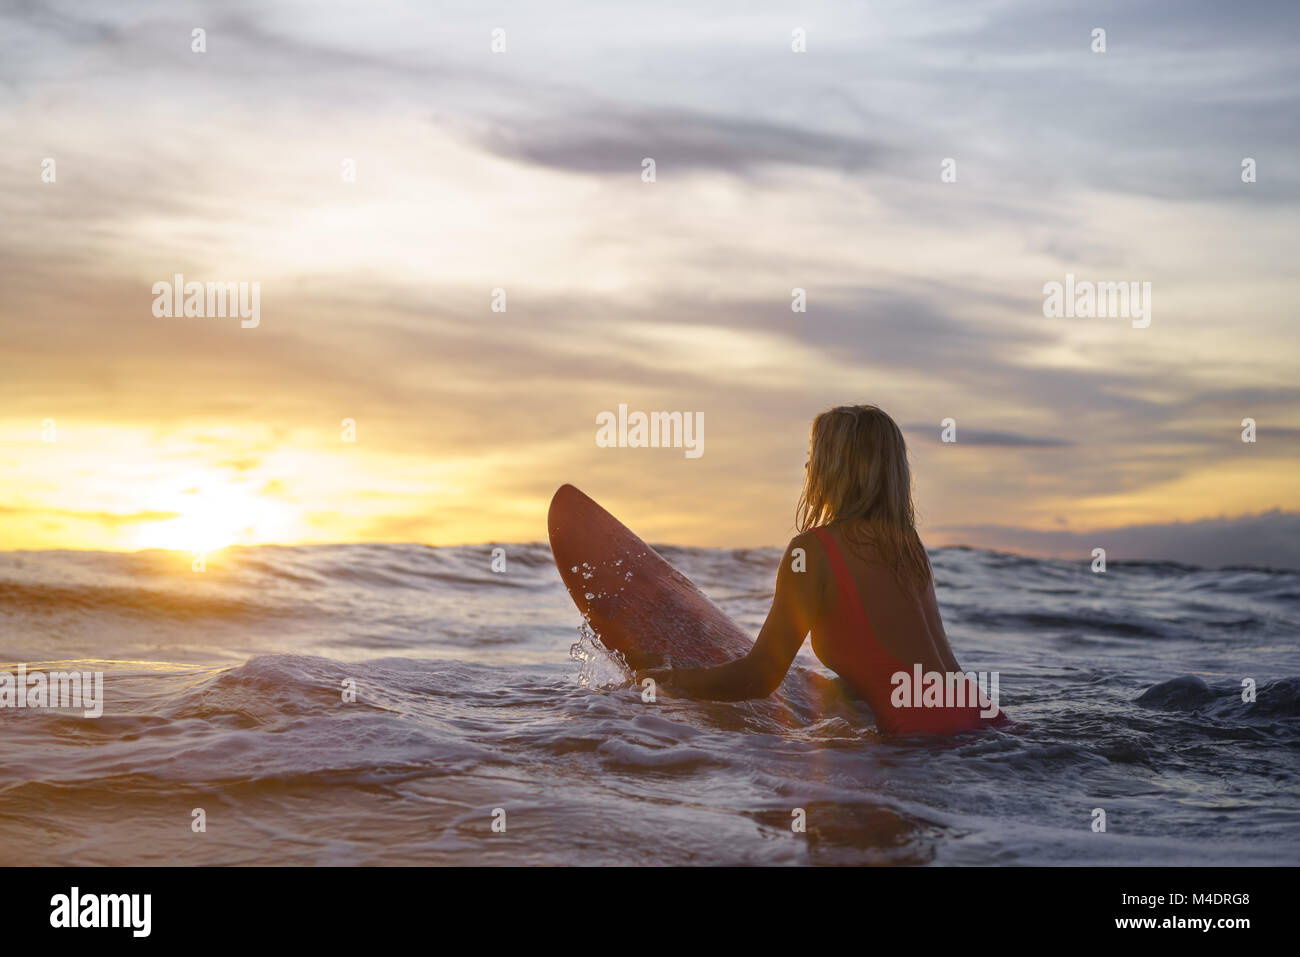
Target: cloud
x=616, y=140
x=966, y=436
x=1268, y=540
x=109, y=519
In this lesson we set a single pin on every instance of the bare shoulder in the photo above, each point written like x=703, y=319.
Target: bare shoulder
x=804, y=549
x=804, y=566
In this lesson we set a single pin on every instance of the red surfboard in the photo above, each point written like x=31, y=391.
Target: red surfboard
x=637, y=603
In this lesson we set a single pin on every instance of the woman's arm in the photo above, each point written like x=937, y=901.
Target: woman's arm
x=759, y=673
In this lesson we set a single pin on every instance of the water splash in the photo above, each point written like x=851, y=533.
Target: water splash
x=600, y=667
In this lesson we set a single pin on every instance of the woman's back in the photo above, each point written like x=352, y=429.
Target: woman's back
x=905, y=619
x=873, y=627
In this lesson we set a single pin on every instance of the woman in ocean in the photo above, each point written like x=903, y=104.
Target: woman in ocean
x=857, y=577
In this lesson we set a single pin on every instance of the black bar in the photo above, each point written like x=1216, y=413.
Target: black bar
x=333, y=906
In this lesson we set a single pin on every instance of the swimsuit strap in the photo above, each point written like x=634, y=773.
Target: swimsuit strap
x=843, y=580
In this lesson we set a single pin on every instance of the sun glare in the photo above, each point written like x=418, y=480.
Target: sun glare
x=210, y=514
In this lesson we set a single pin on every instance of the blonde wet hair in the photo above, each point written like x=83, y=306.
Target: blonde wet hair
x=858, y=477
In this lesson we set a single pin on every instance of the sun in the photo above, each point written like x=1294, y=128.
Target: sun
x=210, y=514
x=190, y=533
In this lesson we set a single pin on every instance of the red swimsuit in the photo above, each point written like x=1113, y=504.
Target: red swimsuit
x=847, y=644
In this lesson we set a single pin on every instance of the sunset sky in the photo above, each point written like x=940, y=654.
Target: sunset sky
x=521, y=170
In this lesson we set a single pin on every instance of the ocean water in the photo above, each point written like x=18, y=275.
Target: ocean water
x=223, y=691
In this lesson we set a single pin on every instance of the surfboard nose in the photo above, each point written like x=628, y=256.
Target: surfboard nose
x=564, y=499
x=565, y=493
